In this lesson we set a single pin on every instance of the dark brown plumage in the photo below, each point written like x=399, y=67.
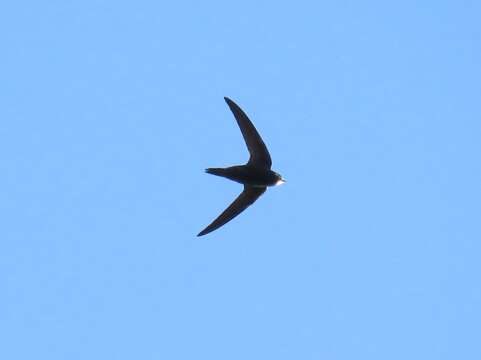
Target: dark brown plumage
x=256, y=175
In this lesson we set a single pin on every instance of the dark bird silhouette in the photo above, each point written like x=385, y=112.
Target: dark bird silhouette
x=256, y=175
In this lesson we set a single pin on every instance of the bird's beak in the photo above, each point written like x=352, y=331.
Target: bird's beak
x=280, y=182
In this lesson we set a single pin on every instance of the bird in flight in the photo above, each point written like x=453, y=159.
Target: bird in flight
x=256, y=175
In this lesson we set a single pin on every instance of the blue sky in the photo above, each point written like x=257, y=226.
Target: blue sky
x=110, y=112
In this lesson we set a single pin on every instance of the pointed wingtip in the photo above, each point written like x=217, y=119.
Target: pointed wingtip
x=227, y=100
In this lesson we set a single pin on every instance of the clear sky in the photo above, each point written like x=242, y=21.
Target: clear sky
x=110, y=112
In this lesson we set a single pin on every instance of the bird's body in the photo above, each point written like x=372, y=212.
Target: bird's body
x=247, y=175
x=256, y=175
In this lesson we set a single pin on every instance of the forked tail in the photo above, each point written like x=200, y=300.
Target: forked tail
x=216, y=171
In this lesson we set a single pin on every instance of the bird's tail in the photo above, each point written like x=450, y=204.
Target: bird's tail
x=216, y=171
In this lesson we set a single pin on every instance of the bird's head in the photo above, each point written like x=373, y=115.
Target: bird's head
x=279, y=180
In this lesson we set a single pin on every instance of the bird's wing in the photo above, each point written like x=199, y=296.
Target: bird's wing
x=243, y=201
x=259, y=155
